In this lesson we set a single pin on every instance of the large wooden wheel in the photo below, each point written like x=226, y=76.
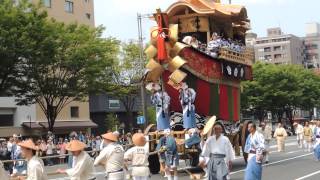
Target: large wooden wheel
x=244, y=134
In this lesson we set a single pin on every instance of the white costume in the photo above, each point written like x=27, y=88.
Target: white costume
x=3, y=173
x=220, y=152
x=112, y=158
x=139, y=160
x=35, y=170
x=187, y=98
x=299, y=133
x=267, y=134
x=82, y=169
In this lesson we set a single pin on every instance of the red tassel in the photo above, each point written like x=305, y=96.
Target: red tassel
x=162, y=53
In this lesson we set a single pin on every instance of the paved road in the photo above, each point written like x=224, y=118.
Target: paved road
x=293, y=164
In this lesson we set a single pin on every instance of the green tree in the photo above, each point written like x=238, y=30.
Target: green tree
x=127, y=72
x=280, y=89
x=15, y=39
x=112, y=122
x=64, y=64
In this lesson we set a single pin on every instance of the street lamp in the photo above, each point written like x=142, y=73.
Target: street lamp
x=143, y=91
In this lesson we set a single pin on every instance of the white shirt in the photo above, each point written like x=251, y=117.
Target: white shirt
x=35, y=169
x=221, y=145
x=267, y=132
x=111, y=157
x=139, y=159
x=83, y=167
x=3, y=174
x=299, y=129
x=9, y=146
x=255, y=143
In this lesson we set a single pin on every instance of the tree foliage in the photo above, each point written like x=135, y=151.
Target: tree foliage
x=52, y=63
x=280, y=89
x=126, y=74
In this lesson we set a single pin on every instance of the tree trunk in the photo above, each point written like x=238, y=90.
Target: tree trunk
x=51, y=117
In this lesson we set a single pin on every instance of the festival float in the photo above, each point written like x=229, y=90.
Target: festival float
x=213, y=67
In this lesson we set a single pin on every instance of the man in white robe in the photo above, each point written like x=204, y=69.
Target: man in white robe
x=266, y=131
x=281, y=134
x=299, y=133
x=111, y=157
x=219, y=149
x=83, y=165
x=35, y=166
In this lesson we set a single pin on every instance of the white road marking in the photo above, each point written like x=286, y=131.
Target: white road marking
x=308, y=175
x=276, y=162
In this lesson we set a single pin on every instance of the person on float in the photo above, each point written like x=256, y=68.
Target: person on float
x=316, y=145
x=111, y=157
x=255, y=148
x=35, y=166
x=299, y=132
x=167, y=144
x=187, y=98
x=82, y=168
x=138, y=156
x=218, y=149
x=280, y=134
x=266, y=131
x=161, y=100
x=307, y=137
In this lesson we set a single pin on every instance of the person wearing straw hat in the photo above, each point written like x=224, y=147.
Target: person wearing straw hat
x=219, y=150
x=3, y=174
x=161, y=100
x=167, y=145
x=111, y=157
x=35, y=166
x=138, y=155
x=83, y=166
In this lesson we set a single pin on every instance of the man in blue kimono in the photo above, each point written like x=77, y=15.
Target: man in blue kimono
x=187, y=98
x=162, y=101
x=255, y=149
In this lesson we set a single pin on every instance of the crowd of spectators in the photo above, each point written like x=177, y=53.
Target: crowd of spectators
x=216, y=42
x=52, y=145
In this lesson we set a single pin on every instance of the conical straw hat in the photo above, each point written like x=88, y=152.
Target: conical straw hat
x=28, y=144
x=209, y=125
x=110, y=136
x=75, y=145
x=139, y=139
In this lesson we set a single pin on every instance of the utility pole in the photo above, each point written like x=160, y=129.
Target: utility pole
x=142, y=60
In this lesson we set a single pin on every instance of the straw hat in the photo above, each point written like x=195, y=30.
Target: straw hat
x=75, y=145
x=110, y=136
x=28, y=144
x=209, y=125
x=139, y=139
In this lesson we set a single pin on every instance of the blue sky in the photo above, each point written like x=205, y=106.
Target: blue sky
x=120, y=16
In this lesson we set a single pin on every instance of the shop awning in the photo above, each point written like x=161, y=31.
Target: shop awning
x=60, y=124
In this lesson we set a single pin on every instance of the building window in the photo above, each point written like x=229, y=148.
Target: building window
x=114, y=104
x=88, y=15
x=47, y=3
x=74, y=111
x=6, y=120
x=68, y=6
x=277, y=56
x=277, y=48
x=267, y=49
x=87, y=1
x=268, y=57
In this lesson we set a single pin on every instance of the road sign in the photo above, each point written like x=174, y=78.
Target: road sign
x=140, y=120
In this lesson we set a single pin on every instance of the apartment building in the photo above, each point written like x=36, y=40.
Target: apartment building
x=30, y=120
x=279, y=48
x=312, y=45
